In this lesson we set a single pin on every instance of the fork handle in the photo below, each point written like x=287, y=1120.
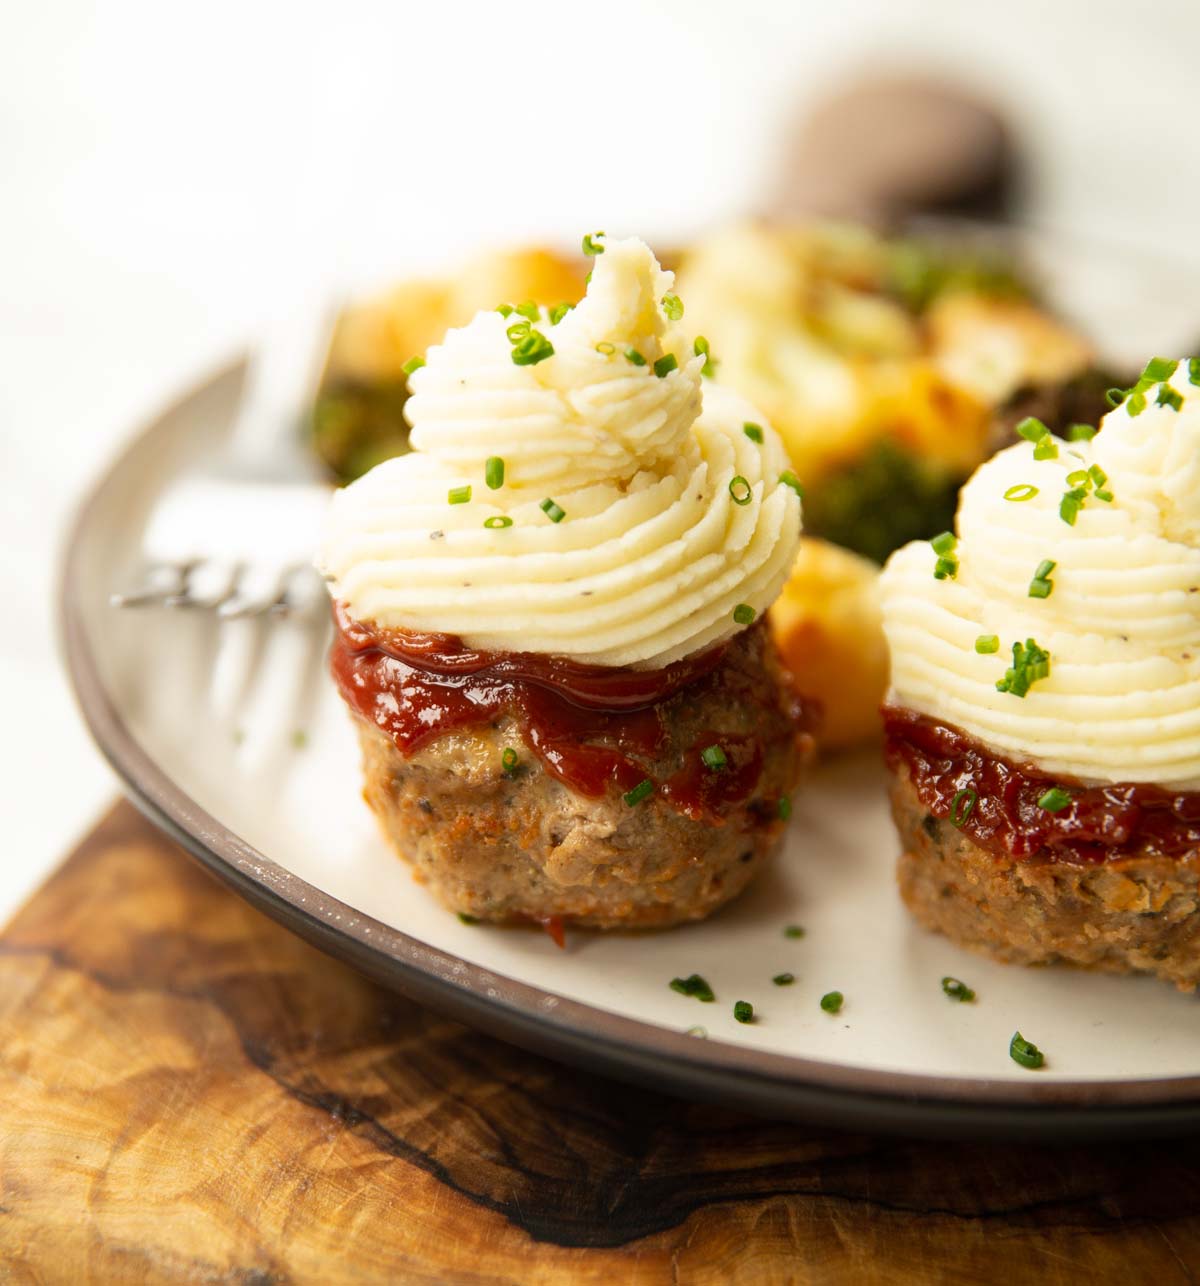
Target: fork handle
x=282, y=378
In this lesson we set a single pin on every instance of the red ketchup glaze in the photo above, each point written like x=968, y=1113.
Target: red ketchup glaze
x=696, y=790
x=591, y=726
x=1101, y=823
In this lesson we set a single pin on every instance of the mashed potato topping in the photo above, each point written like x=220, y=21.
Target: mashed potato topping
x=1090, y=548
x=635, y=512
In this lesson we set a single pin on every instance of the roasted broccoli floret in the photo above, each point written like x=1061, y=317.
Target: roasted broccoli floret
x=355, y=425
x=884, y=499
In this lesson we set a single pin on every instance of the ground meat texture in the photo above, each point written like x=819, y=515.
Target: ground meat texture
x=522, y=846
x=1124, y=915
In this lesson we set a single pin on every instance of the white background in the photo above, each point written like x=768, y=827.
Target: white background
x=169, y=173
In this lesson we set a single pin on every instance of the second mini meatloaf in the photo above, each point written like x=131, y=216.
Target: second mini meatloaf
x=1043, y=731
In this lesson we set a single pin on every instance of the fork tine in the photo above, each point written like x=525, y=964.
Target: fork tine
x=301, y=586
x=208, y=584
x=161, y=582
x=257, y=592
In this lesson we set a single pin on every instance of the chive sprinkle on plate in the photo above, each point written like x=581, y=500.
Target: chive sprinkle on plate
x=694, y=986
x=1025, y=1052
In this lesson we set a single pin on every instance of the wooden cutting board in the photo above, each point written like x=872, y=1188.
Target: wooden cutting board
x=189, y=1093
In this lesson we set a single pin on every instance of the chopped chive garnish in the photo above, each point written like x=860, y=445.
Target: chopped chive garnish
x=832, y=1001
x=1070, y=505
x=1030, y=663
x=794, y=931
x=700, y=1032
x=534, y=348
x=606, y=348
x=1080, y=432
x=1194, y=370
x=700, y=348
x=517, y=332
x=643, y=790
x=458, y=495
x=529, y=309
x=509, y=759
x=1022, y=491
x=743, y=1011
x=945, y=569
x=413, y=364
x=1158, y=369
x=753, y=432
x=986, y=643
x=789, y=479
x=1167, y=396
x=558, y=312
x=962, y=806
x=785, y=808
x=634, y=357
x=464, y=918
x=1041, y=585
x=493, y=472
x=505, y=310
x=784, y=979
x=714, y=758
x=591, y=244
x=1046, y=449
x=1032, y=429
x=1083, y=481
x=673, y=307
x=552, y=511
x=299, y=739
x=740, y=490
x=1054, y=800
x=496, y=521
x=957, y=990
x=744, y=614
x=944, y=543
x=694, y=986
x=665, y=365
x=1024, y=1052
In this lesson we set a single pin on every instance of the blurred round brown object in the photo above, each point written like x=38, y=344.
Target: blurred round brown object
x=889, y=147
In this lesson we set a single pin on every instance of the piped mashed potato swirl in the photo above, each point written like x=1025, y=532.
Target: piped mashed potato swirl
x=1122, y=621
x=673, y=515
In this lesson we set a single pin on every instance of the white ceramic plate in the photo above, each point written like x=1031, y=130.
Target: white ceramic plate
x=220, y=767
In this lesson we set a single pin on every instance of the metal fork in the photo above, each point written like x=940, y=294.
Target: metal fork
x=239, y=538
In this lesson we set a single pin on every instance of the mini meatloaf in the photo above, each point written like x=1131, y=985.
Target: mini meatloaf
x=542, y=811
x=1109, y=880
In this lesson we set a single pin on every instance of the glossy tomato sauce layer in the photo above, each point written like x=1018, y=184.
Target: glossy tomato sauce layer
x=590, y=726
x=1100, y=823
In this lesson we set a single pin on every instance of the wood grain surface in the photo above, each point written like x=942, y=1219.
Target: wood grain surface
x=189, y=1093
